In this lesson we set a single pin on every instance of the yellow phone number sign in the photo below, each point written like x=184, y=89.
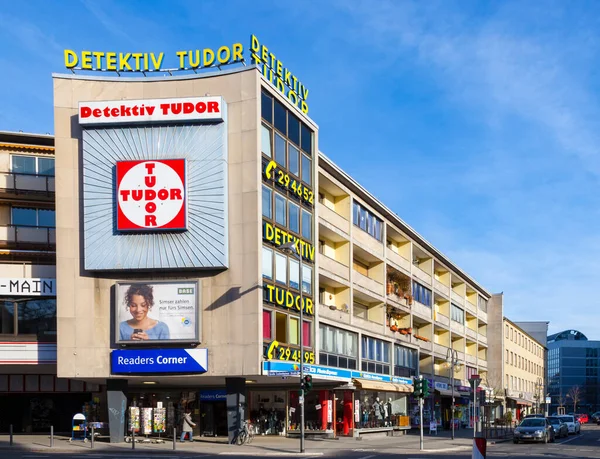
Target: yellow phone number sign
x=276, y=351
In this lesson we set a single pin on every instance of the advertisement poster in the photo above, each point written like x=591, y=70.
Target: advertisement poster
x=134, y=419
x=148, y=312
x=146, y=421
x=160, y=418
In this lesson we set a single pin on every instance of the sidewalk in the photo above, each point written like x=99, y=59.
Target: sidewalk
x=261, y=446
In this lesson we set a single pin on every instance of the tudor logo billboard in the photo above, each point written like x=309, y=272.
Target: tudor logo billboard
x=151, y=195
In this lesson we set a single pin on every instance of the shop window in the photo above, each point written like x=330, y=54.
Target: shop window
x=366, y=221
x=294, y=274
x=280, y=210
x=267, y=326
x=28, y=216
x=294, y=129
x=267, y=263
x=306, y=139
x=266, y=141
x=280, y=269
x=294, y=329
x=421, y=294
x=267, y=202
x=266, y=107
x=375, y=355
x=306, y=333
x=33, y=165
x=280, y=150
x=306, y=225
x=294, y=217
x=306, y=279
x=7, y=318
x=379, y=408
x=281, y=327
x=34, y=317
x=457, y=314
x=280, y=117
x=293, y=160
x=306, y=170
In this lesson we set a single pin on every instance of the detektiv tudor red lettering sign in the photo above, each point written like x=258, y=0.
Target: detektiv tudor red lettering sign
x=151, y=195
x=151, y=110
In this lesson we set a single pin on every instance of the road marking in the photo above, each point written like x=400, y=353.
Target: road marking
x=571, y=439
x=368, y=457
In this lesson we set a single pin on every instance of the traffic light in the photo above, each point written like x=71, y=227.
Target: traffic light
x=308, y=383
x=425, y=388
x=418, y=388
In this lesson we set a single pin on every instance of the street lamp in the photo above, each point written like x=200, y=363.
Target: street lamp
x=452, y=360
x=291, y=249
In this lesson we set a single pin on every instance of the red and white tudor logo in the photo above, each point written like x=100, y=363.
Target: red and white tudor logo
x=151, y=195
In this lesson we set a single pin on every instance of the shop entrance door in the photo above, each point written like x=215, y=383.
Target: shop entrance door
x=214, y=419
x=344, y=412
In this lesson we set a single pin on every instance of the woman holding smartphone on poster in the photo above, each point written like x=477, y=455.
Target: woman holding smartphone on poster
x=139, y=300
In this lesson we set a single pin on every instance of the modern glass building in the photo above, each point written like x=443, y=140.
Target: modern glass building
x=573, y=372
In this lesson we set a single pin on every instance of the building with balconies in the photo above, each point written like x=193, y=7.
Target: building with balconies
x=382, y=282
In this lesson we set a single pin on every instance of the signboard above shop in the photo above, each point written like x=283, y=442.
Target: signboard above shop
x=27, y=286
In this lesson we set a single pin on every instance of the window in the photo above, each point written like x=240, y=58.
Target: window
x=457, y=314
x=366, y=221
x=266, y=141
x=306, y=139
x=281, y=327
x=375, y=355
x=294, y=216
x=294, y=129
x=267, y=331
x=294, y=274
x=280, y=268
x=280, y=117
x=267, y=263
x=471, y=371
x=306, y=279
x=266, y=107
x=306, y=333
x=293, y=160
x=507, y=355
x=405, y=361
x=280, y=210
x=32, y=165
x=306, y=225
x=267, y=202
x=280, y=150
x=483, y=304
x=506, y=328
x=294, y=328
x=27, y=216
x=306, y=170
x=34, y=317
x=421, y=294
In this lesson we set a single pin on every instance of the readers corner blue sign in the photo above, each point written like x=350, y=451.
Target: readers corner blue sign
x=159, y=361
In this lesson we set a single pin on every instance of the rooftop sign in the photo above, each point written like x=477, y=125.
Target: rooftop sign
x=271, y=67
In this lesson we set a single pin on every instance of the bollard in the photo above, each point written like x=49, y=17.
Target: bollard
x=174, y=438
x=92, y=442
x=51, y=436
x=132, y=437
x=479, y=448
x=10, y=429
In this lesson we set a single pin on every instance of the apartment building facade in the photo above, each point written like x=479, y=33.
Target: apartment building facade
x=31, y=396
x=517, y=372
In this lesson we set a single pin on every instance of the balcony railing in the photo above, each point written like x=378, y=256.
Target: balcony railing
x=367, y=283
x=333, y=218
x=367, y=242
x=398, y=260
x=471, y=307
x=443, y=289
x=457, y=327
x=441, y=318
x=471, y=333
x=482, y=363
x=440, y=349
x=458, y=299
x=19, y=236
x=482, y=315
x=334, y=267
x=421, y=309
x=471, y=359
x=483, y=339
x=427, y=345
x=421, y=275
x=16, y=183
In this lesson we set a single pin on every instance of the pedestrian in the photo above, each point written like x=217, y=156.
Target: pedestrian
x=187, y=426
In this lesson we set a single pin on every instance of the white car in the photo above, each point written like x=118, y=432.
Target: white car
x=573, y=425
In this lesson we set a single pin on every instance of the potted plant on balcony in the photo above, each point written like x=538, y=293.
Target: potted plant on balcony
x=393, y=324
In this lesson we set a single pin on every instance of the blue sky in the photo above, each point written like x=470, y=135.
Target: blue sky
x=475, y=121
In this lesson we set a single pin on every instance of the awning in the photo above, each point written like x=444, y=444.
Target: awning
x=520, y=401
x=446, y=392
x=382, y=385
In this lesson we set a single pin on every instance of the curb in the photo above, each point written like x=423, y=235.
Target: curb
x=258, y=453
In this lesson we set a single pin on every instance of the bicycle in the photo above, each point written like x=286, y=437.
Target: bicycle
x=246, y=435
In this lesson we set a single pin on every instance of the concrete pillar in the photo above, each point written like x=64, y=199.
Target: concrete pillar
x=116, y=400
x=236, y=405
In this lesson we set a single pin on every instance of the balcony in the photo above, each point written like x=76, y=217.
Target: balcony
x=421, y=275
x=482, y=315
x=27, y=237
x=368, y=284
x=441, y=318
x=20, y=184
x=421, y=310
x=336, y=314
x=367, y=242
x=471, y=307
x=471, y=333
x=458, y=299
x=369, y=325
x=426, y=345
x=334, y=268
x=334, y=219
x=398, y=261
x=471, y=359
x=461, y=356
x=443, y=289
x=439, y=349
x=457, y=327
x=483, y=339
x=482, y=363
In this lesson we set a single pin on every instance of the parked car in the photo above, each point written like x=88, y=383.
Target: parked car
x=595, y=417
x=582, y=418
x=572, y=423
x=534, y=416
x=560, y=427
x=534, y=429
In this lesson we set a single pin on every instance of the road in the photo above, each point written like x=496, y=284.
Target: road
x=583, y=446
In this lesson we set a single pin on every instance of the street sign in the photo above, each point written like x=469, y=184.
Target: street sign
x=548, y=400
x=474, y=381
x=284, y=373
